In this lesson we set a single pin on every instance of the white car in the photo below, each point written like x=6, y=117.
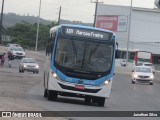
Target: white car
x=142, y=74
x=16, y=52
x=149, y=65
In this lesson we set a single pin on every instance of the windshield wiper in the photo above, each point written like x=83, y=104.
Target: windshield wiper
x=93, y=51
x=74, y=49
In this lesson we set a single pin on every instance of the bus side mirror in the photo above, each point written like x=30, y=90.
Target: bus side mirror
x=117, y=54
x=48, y=47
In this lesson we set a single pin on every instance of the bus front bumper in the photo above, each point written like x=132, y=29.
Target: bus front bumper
x=79, y=90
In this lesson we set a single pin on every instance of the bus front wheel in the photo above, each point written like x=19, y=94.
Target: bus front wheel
x=101, y=102
x=52, y=95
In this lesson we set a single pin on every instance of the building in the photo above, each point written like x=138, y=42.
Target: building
x=144, y=27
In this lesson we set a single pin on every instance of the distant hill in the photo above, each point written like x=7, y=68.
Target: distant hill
x=10, y=19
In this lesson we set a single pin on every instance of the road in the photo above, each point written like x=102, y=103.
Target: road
x=124, y=96
x=25, y=92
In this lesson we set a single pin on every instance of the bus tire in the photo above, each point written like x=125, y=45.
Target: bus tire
x=45, y=93
x=52, y=95
x=101, y=101
x=87, y=100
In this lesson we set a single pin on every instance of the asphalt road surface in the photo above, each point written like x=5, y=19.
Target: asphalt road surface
x=124, y=96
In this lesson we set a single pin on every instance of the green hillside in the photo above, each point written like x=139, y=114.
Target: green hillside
x=10, y=19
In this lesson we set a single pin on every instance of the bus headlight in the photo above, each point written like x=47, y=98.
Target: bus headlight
x=55, y=75
x=106, y=82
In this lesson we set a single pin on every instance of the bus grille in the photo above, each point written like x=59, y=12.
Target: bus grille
x=83, y=90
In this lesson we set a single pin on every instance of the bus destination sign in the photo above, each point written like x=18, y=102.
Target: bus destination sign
x=93, y=34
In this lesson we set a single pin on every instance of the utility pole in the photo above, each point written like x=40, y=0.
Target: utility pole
x=95, y=15
x=129, y=29
x=59, y=18
x=1, y=22
x=38, y=25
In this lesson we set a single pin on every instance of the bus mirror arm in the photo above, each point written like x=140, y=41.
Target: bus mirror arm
x=116, y=54
x=48, y=49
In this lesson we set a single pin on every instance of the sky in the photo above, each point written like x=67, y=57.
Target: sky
x=74, y=10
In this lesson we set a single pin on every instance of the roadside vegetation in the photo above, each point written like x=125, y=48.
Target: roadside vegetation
x=24, y=34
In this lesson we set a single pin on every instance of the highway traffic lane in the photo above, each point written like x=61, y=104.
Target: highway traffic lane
x=14, y=70
x=124, y=97
x=13, y=88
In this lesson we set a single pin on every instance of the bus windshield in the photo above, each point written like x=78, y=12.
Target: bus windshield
x=84, y=55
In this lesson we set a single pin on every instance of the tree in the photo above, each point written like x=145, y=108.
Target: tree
x=25, y=34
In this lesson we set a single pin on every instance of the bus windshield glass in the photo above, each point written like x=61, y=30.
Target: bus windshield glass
x=84, y=55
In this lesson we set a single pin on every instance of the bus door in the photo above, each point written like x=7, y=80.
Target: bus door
x=49, y=50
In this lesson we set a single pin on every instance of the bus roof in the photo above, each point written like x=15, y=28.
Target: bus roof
x=53, y=29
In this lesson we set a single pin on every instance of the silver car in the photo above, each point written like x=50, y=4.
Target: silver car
x=16, y=52
x=142, y=74
x=28, y=64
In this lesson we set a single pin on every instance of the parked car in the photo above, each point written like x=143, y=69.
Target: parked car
x=16, y=52
x=149, y=65
x=123, y=62
x=142, y=74
x=28, y=64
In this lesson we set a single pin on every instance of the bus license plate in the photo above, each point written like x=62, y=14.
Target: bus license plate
x=79, y=87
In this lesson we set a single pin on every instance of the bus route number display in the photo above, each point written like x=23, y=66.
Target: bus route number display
x=88, y=33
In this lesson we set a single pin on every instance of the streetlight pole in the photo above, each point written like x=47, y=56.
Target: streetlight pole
x=59, y=17
x=94, y=24
x=1, y=22
x=95, y=15
x=38, y=25
x=129, y=29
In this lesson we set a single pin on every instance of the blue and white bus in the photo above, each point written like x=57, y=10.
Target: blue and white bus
x=79, y=62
